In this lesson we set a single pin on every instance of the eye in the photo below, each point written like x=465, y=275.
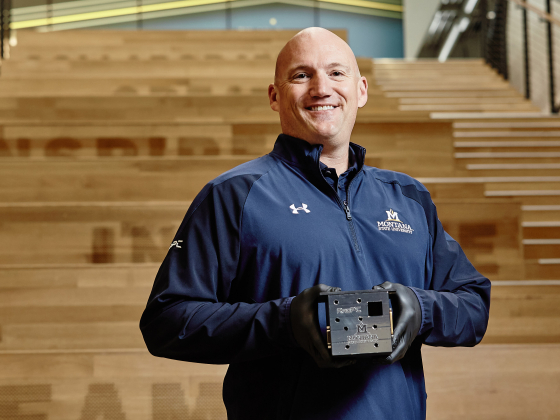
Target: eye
x=300, y=76
x=336, y=73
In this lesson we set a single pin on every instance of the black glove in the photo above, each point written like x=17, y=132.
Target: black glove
x=407, y=316
x=306, y=330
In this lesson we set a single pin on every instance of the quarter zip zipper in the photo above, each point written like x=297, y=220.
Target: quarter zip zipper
x=346, y=207
x=349, y=215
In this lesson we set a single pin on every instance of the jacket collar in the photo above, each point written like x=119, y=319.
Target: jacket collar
x=301, y=153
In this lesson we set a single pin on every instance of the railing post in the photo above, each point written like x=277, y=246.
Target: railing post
x=139, y=15
x=49, y=13
x=228, y=16
x=553, y=107
x=501, y=17
x=2, y=29
x=526, y=54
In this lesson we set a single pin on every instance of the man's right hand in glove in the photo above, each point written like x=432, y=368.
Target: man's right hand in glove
x=306, y=330
x=408, y=318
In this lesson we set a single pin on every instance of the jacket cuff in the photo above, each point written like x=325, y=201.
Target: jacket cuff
x=423, y=306
x=286, y=324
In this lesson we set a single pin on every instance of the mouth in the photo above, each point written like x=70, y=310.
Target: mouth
x=321, y=108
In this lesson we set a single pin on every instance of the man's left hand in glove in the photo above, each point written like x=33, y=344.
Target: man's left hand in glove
x=407, y=316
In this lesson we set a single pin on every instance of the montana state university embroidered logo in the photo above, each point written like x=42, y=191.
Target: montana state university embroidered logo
x=393, y=223
x=392, y=216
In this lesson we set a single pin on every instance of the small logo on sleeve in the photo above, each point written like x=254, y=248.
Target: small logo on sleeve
x=393, y=223
x=303, y=207
x=176, y=243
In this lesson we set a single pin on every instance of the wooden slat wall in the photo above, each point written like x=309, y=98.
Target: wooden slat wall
x=99, y=132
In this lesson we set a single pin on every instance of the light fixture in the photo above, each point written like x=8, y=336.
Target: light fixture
x=452, y=38
x=435, y=23
x=469, y=7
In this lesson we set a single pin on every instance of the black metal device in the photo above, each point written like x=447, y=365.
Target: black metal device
x=358, y=322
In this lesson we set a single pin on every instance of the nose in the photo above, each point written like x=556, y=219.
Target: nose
x=320, y=86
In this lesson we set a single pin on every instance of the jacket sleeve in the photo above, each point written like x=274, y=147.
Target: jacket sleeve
x=455, y=300
x=191, y=313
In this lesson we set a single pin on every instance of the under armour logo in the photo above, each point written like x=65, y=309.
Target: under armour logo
x=175, y=243
x=303, y=207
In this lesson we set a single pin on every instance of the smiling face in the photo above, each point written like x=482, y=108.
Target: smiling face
x=317, y=88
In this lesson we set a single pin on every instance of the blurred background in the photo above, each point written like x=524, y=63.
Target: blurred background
x=114, y=114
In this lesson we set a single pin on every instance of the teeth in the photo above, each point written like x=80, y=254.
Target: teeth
x=321, y=108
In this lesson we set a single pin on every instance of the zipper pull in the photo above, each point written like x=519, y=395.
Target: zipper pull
x=347, y=211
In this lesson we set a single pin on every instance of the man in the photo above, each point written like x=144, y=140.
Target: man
x=258, y=244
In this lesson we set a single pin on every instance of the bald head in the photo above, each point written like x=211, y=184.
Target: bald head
x=308, y=39
x=318, y=89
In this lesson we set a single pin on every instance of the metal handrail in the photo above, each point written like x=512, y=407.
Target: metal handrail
x=550, y=20
x=541, y=13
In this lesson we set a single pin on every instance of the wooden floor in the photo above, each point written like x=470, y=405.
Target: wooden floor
x=107, y=136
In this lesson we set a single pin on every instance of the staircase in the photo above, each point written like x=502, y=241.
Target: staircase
x=107, y=136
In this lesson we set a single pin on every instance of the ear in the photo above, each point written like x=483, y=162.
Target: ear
x=362, y=92
x=273, y=97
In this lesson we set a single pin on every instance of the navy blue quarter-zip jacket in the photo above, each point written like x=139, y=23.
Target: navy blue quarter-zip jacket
x=261, y=233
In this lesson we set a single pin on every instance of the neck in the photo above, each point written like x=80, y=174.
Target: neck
x=335, y=157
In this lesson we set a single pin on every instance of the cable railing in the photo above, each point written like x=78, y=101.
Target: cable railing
x=520, y=39
x=533, y=28
x=495, y=37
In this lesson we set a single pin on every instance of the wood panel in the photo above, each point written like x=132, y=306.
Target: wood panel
x=110, y=180
x=91, y=385
x=515, y=149
x=87, y=38
x=56, y=276
x=102, y=139
x=56, y=314
x=44, y=69
x=100, y=233
x=489, y=233
x=493, y=382
x=432, y=87
x=420, y=149
x=116, y=125
x=137, y=87
x=121, y=232
x=225, y=85
x=196, y=109
x=524, y=315
x=537, y=269
x=139, y=386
